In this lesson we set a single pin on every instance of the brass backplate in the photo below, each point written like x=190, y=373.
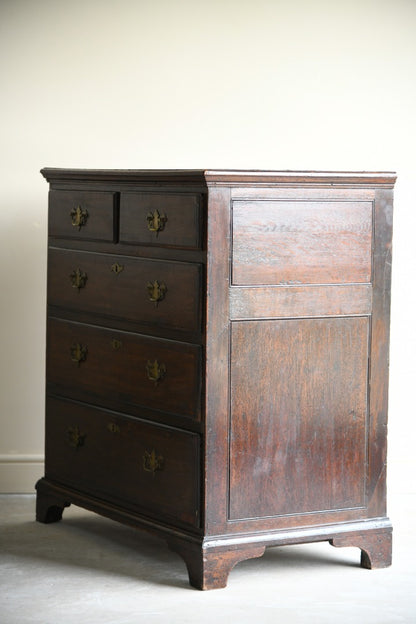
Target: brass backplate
x=152, y=462
x=156, y=222
x=156, y=291
x=79, y=217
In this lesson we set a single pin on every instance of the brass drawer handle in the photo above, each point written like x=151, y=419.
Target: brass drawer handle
x=155, y=371
x=117, y=268
x=156, y=222
x=79, y=217
x=152, y=461
x=76, y=439
x=156, y=291
x=78, y=279
x=79, y=353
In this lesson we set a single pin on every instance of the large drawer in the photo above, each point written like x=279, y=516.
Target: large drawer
x=85, y=215
x=146, y=466
x=154, y=292
x=168, y=219
x=99, y=364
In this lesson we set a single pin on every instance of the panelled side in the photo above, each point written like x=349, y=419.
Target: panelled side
x=300, y=434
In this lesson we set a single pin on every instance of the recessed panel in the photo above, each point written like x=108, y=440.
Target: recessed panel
x=301, y=242
x=298, y=416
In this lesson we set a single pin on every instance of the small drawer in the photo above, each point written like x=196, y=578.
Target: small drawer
x=99, y=364
x=153, y=292
x=167, y=220
x=85, y=215
x=144, y=466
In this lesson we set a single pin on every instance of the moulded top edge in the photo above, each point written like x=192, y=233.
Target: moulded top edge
x=327, y=178
x=216, y=177
x=128, y=175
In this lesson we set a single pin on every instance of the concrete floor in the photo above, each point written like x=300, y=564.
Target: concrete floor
x=90, y=570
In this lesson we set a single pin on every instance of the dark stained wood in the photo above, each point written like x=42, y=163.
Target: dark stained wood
x=229, y=178
x=289, y=301
x=110, y=460
x=267, y=425
x=182, y=228
x=100, y=210
x=156, y=178
x=298, y=416
x=301, y=242
x=125, y=294
x=115, y=368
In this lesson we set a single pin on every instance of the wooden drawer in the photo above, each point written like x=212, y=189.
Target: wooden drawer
x=99, y=365
x=168, y=219
x=154, y=292
x=85, y=215
x=109, y=456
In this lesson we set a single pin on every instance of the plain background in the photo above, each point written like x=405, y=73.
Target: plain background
x=296, y=84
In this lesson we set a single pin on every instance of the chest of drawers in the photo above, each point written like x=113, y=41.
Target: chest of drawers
x=217, y=358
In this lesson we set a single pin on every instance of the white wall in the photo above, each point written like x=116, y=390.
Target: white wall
x=295, y=84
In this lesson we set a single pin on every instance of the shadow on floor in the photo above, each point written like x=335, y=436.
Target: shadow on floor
x=88, y=541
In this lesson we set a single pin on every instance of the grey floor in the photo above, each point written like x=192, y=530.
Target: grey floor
x=87, y=569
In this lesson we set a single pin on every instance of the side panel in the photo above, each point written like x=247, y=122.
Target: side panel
x=297, y=357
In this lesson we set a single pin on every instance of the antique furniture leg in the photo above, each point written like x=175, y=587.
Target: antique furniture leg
x=49, y=507
x=208, y=568
x=376, y=547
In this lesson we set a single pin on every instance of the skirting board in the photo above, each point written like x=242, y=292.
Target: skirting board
x=19, y=473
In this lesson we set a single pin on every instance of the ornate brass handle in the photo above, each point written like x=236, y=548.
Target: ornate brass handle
x=156, y=222
x=155, y=371
x=156, y=291
x=152, y=461
x=75, y=437
x=79, y=217
x=79, y=353
x=78, y=279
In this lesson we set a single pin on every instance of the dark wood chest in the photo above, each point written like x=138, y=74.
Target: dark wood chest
x=217, y=358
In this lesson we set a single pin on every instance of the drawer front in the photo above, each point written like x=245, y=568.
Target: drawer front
x=99, y=364
x=301, y=242
x=144, y=466
x=154, y=292
x=168, y=220
x=84, y=215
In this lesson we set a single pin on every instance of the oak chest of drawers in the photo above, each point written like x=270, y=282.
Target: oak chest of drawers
x=217, y=358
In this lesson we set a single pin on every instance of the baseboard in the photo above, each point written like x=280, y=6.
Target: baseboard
x=19, y=473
